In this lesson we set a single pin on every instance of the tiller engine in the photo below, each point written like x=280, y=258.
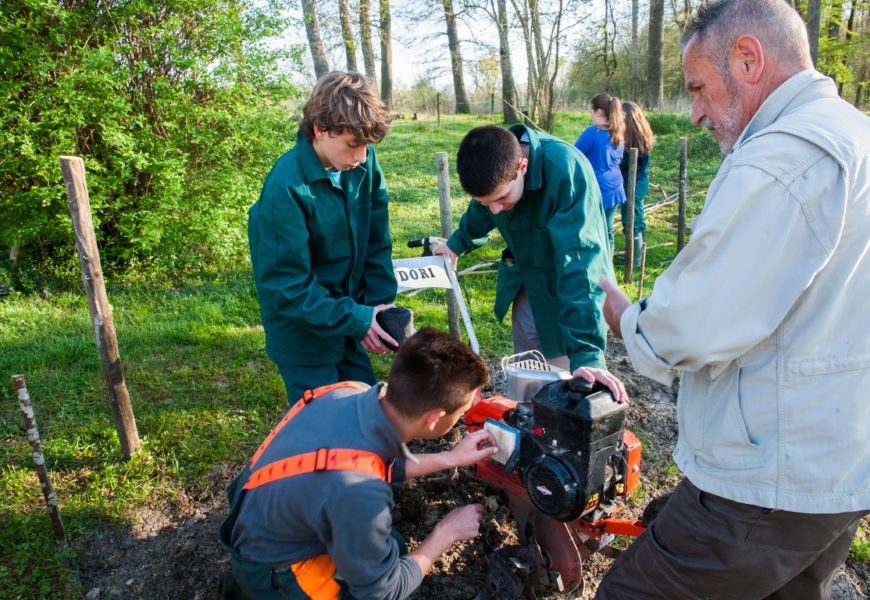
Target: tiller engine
x=564, y=460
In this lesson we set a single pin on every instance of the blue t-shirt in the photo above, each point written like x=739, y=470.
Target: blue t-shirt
x=605, y=159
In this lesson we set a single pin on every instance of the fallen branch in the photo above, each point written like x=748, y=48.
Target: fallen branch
x=480, y=265
x=524, y=115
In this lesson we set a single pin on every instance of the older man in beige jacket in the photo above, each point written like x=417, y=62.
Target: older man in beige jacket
x=765, y=313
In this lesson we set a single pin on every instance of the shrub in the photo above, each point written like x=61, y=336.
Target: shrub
x=176, y=109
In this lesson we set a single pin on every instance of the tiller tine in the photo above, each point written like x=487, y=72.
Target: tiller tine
x=508, y=576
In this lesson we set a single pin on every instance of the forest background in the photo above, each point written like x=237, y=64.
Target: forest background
x=179, y=109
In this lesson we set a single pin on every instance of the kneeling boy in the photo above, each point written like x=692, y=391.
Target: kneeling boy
x=310, y=515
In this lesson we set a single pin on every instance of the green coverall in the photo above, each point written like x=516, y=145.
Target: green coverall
x=322, y=259
x=557, y=236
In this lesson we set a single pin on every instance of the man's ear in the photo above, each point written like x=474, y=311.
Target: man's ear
x=431, y=419
x=523, y=165
x=318, y=132
x=747, y=55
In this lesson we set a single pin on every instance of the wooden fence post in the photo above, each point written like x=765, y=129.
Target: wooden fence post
x=100, y=311
x=26, y=407
x=642, y=271
x=492, y=103
x=681, y=218
x=446, y=211
x=628, y=224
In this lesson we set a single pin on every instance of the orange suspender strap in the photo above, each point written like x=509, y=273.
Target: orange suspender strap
x=315, y=575
x=307, y=397
x=324, y=459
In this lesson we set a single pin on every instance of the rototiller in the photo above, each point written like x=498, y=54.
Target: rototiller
x=564, y=460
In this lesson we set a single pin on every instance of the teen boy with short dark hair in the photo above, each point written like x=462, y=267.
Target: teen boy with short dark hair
x=312, y=533
x=541, y=194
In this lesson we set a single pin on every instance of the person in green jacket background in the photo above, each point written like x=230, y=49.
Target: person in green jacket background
x=320, y=242
x=541, y=194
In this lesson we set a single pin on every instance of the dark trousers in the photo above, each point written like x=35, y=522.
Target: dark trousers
x=705, y=546
x=609, y=215
x=355, y=365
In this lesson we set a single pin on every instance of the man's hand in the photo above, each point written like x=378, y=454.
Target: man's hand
x=372, y=341
x=473, y=447
x=442, y=248
x=614, y=305
x=461, y=523
x=606, y=378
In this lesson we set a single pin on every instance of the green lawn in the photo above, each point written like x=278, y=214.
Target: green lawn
x=202, y=388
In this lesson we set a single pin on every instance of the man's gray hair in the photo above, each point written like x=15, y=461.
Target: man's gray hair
x=778, y=27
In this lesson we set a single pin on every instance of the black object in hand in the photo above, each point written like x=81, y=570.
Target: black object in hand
x=423, y=243
x=398, y=322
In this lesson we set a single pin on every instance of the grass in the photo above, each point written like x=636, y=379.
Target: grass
x=203, y=391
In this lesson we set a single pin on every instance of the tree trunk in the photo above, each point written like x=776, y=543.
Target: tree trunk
x=548, y=114
x=655, y=86
x=814, y=24
x=635, y=54
x=609, y=67
x=386, y=55
x=531, y=83
x=538, y=43
x=321, y=66
x=347, y=36
x=365, y=38
x=835, y=20
x=462, y=105
x=850, y=28
x=509, y=99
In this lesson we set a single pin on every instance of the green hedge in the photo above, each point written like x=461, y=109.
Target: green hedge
x=177, y=108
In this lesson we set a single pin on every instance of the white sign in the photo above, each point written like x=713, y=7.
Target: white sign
x=421, y=272
x=433, y=272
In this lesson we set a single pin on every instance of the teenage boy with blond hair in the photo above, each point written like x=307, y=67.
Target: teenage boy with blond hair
x=320, y=243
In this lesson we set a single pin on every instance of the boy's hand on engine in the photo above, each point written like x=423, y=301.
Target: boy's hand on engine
x=472, y=448
x=605, y=378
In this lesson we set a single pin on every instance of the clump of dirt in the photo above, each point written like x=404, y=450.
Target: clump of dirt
x=172, y=552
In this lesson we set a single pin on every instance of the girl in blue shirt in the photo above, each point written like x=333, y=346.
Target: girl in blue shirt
x=602, y=145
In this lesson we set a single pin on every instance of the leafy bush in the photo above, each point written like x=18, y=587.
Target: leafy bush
x=670, y=123
x=176, y=108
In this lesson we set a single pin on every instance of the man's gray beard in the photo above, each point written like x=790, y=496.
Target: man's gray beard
x=729, y=127
x=729, y=124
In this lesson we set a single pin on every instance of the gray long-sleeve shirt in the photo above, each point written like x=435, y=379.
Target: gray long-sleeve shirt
x=340, y=513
